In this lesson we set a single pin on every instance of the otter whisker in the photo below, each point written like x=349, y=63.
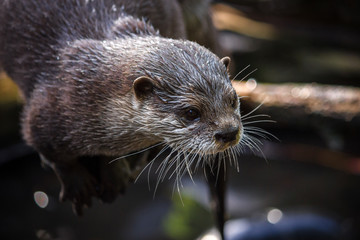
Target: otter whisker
x=232, y=158
x=166, y=164
x=221, y=157
x=238, y=150
x=197, y=156
x=242, y=70
x=253, y=144
x=134, y=153
x=175, y=161
x=200, y=159
x=225, y=163
x=211, y=163
x=252, y=111
x=247, y=75
x=254, y=116
x=186, y=168
x=255, y=141
x=202, y=156
x=177, y=185
x=236, y=162
x=184, y=164
x=177, y=182
x=256, y=133
x=179, y=165
x=178, y=178
x=165, y=160
x=260, y=132
x=259, y=121
x=188, y=164
x=149, y=165
x=250, y=132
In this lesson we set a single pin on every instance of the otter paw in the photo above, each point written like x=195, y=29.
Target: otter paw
x=77, y=186
x=114, y=179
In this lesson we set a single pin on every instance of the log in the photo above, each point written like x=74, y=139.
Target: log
x=296, y=102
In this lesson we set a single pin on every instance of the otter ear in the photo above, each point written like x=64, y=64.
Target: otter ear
x=226, y=61
x=143, y=86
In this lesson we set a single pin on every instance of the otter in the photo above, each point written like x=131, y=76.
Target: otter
x=103, y=79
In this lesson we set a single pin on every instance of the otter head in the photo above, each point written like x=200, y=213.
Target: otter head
x=194, y=107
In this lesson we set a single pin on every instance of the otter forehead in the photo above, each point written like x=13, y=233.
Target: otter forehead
x=187, y=67
x=190, y=60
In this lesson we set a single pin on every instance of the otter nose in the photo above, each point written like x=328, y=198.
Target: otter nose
x=227, y=135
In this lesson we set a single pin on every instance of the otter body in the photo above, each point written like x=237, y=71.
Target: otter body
x=102, y=79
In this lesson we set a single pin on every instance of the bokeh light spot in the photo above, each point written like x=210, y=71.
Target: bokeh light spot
x=274, y=215
x=41, y=199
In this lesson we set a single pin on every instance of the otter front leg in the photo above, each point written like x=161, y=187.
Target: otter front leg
x=113, y=178
x=77, y=184
x=116, y=174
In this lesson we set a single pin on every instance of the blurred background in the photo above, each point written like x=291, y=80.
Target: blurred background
x=307, y=56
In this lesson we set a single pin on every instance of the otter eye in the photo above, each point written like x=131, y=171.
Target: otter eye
x=192, y=114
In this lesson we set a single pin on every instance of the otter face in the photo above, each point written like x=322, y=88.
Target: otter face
x=197, y=116
x=210, y=124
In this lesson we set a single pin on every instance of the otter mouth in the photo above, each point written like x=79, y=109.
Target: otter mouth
x=224, y=146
